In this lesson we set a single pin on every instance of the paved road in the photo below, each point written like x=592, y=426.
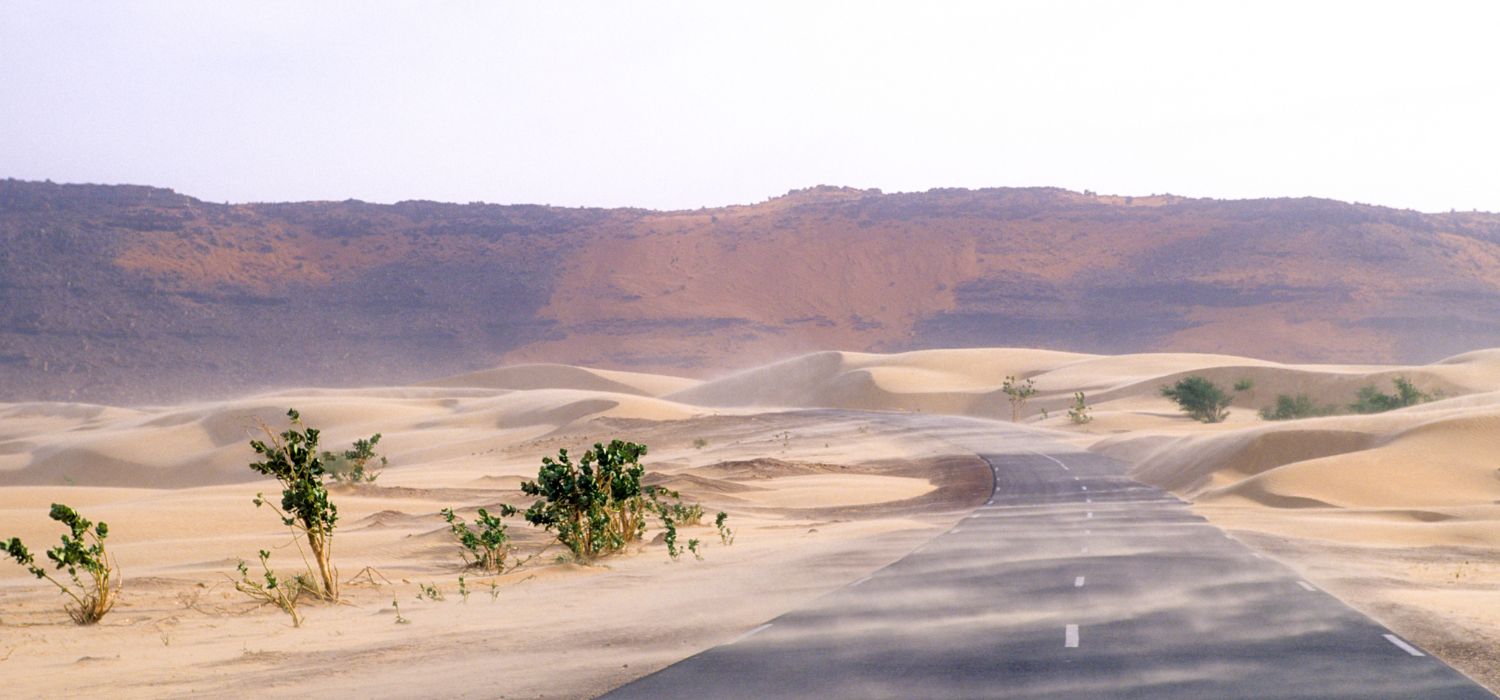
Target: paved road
x=1074, y=581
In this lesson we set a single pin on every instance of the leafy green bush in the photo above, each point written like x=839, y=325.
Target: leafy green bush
x=272, y=590
x=355, y=466
x=292, y=458
x=1243, y=385
x=726, y=535
x=1079, y=412
x=487, y=545
x=699, y=443
x=594, y=507
x=1294, y=407
x=1017, y=392
x=669, y=503
x=668, y=506
x=93, y=594
x=1371, y=400
x=1201, y=399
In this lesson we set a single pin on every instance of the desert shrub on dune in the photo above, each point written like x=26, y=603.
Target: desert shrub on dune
x=270, y=589
x=94, y=584
x=357, y=464
x=1078, y=413
x=487, y=544
x=670, y=509
x=292, y=458
x=1017, y=392
x=597, y=505
x=1294, y=407
x=1371, y=400
x=1200, y=398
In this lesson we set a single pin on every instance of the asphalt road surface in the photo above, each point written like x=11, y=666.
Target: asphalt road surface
x=1074, y=581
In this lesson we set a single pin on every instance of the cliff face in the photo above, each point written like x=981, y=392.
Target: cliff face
x=138, y=294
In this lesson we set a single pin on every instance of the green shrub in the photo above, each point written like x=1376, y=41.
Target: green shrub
x=1371, y=400
x=595, y=506
x=93, y=594
x=1243, y=385
x=270, y=589
x=726, y=535
x=292, y=458
x=1201, y=399
x=1294, y=407
x=668, y=506
x=1079, y=412
x=356, y=465
x=1017, y=392
x=699, y=443
x=667, y=502
x=487, y=545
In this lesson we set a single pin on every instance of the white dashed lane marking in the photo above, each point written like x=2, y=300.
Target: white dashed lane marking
x=1401, y=643
x=1078, y=582
x=1306, y=586
x=1070, y=637
x=751, y=633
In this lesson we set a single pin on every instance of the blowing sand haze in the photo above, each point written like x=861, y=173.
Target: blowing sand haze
x=848, y=351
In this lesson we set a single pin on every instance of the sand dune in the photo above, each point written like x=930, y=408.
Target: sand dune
x=817, y=499
x=552, y=376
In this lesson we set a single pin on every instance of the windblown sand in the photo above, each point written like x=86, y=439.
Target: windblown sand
x=1396, y=513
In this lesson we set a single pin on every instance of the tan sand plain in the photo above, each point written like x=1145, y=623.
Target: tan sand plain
x=1396, y=513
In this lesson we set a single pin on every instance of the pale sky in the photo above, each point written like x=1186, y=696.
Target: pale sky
x=688, y=104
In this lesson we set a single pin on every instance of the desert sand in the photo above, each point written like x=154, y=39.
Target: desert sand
x=1396, y=513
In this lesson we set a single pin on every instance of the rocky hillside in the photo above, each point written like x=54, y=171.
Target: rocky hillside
x=139, y=294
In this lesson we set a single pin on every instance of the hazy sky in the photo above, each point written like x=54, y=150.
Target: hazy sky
x=678, y=105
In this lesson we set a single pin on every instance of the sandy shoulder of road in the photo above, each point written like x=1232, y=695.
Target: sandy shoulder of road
x=813, y=504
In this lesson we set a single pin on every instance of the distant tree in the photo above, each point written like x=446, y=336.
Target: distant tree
x=1244, y=385
x=1201, y=399
x=1018, y=391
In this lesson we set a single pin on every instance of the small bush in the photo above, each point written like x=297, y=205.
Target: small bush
x=699, y=443
x=668, y=506
x=355, y=465
x=93, y=594
x=1018, y=392
x=292, y=458
x=595, y=506
x=1201, y=399
x=270, y=589
x=669, y=503
x=726, y=535
x=1371, y=400
x=1294, y=407
x=487, y=545
x=1079, y=412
